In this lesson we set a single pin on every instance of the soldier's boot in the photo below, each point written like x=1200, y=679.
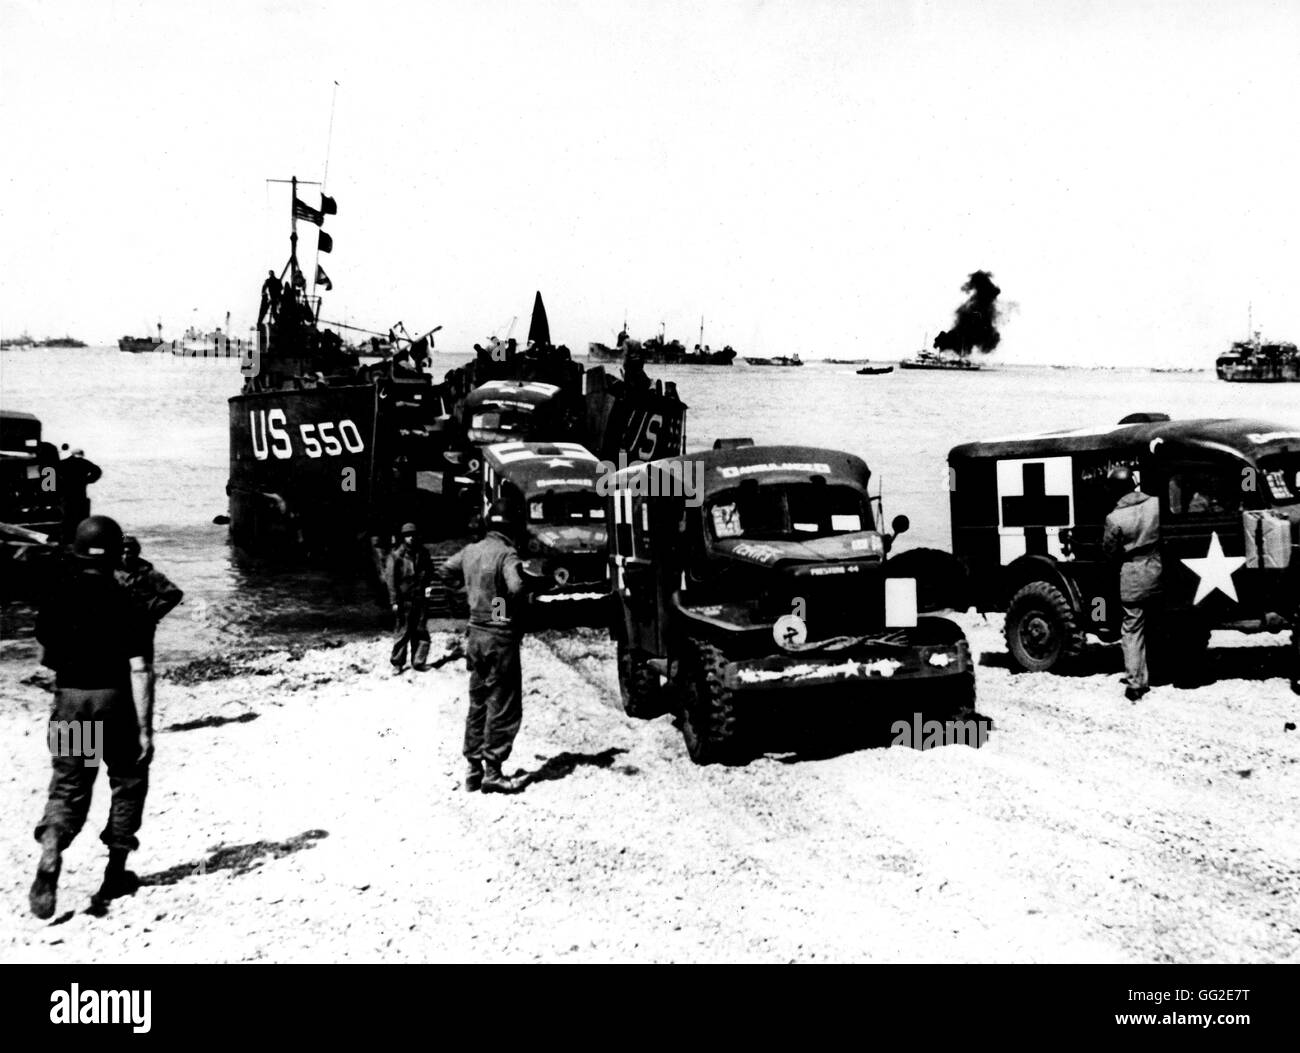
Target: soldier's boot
x=44, y=890
x=118, y=881
x=474, y=776
x=495, y=782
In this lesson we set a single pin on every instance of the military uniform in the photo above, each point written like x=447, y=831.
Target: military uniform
x=1132, y=533
x=408, y=570
x=492, y=573
x=151, y=590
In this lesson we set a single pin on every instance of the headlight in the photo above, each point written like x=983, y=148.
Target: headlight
x=561, y=575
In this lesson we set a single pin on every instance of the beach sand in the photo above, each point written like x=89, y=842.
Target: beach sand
x=313, y=814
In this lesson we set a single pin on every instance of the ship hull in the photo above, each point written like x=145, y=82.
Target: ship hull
x=136, y=345
x=301, y=468
x=604, y=353
x=951, y=368
x=1259, y=372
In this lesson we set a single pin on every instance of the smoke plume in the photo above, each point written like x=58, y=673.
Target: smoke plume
x=975, y=322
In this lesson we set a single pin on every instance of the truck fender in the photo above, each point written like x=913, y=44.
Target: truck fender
x=1043, y=568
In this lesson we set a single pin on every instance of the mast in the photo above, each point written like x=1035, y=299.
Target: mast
x=701, y=347
x=293, y=231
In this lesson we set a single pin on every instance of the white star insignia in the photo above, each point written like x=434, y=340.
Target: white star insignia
x=559, y=462
x=1215, y=571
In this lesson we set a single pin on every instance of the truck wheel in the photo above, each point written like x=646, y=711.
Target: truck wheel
x=708, y=709
x=638, y=684
x=1042, y=629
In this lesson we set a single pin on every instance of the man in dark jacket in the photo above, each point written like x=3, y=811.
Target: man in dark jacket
x=1132, y=535
x=72, y=475
x=96, y=639
x=148, y=586
x=496, y=581
x=408, y=571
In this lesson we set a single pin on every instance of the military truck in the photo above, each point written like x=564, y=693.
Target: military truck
x=554, y=486
x=750, y=571
x=1028, y=514
x=35, y=515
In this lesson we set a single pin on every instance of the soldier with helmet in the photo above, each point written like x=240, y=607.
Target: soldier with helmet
x=96, y=638
x=407, y=572
x=1132, y=536
x=148, y=586
x=496, y=580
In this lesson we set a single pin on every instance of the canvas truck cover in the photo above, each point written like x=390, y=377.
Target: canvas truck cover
x=535, y=467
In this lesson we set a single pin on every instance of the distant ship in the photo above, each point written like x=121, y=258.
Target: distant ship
x=779, y=360
x=874, y=371
x=658, y=351
x=60, y=341
x=926, y=359
x=1255, y=361
x=138, y=344
x=24, y=340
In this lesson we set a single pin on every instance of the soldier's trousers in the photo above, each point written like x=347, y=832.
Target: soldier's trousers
x=1133, y=643
x=413, y=632
x=105, y=718
x=495, y=695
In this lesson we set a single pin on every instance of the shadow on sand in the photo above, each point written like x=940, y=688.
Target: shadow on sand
x=239, y=859
x=563, y=765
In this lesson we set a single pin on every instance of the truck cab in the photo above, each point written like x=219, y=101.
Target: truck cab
x=749, y=570
x=1028, y=513
x=554, y=484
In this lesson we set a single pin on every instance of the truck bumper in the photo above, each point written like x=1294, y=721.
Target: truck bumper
x=838, y=668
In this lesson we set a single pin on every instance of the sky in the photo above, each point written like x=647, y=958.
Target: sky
x=811, y=176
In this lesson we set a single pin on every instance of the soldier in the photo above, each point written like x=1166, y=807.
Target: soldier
x=494, y=577
x=73, y=474
x=96, y=639
x=270, y=297
x=408, y=570
x=148, y=586
x=1132, y=534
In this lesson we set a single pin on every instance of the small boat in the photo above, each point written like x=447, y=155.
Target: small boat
x=874, y=371
x=138, y=344
x=779, y=360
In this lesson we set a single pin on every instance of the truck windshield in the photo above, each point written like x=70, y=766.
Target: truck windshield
x=566, y=506
x=789, y=511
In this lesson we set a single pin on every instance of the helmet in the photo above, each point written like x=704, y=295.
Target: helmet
x=1119, y=480
x=99, y=539
x=409, y=528
x=130, y=546
x=503, y=514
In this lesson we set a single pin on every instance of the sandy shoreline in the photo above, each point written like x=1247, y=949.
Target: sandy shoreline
x=309, y=811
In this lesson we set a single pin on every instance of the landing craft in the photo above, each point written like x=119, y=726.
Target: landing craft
x=330, y=454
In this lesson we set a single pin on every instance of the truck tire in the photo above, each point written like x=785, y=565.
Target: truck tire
x=638, y=684
x=1042, y=628
x=708, y=706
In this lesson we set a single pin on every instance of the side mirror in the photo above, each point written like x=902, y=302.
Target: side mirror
x=900, y=525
